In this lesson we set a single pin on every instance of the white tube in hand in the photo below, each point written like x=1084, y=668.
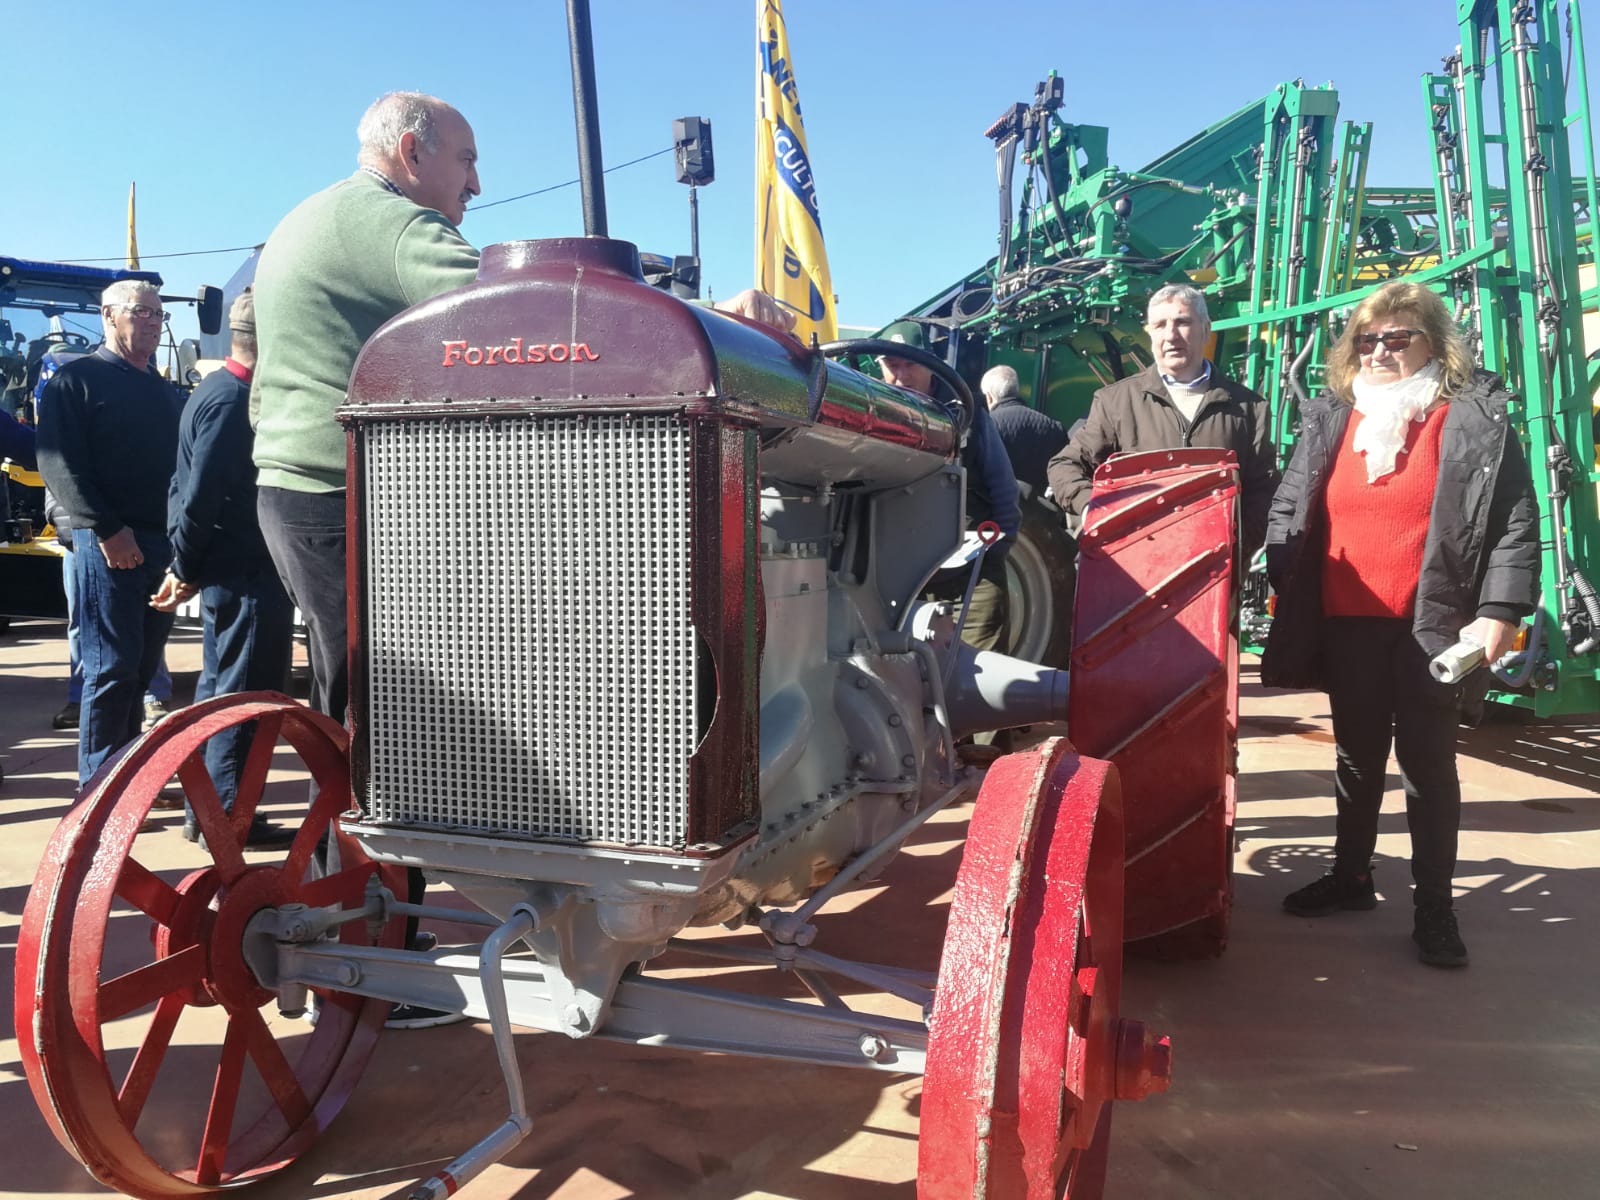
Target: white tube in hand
x=1455, y=664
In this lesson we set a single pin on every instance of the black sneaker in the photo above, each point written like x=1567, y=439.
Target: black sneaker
x=264, y=835
x=414, y=1016
x=1332, y=893
x=1438, y=940
x=67, y=718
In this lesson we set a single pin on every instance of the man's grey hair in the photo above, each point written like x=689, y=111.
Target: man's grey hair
x=242, y=321
x=394, y=115
x=1183, y=294
x=128, y=291
x=1000, y=383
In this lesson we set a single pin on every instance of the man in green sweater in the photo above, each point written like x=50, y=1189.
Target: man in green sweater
x=336, y=268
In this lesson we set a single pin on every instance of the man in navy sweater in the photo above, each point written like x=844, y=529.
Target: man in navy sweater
x=108, y=439
x=217, y=550
x=1031, y=439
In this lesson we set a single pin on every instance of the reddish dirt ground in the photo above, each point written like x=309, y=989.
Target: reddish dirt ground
x=1314, y=1058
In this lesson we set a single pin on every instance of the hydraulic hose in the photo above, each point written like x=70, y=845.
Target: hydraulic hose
x=1591, y=605
x=1526, y=661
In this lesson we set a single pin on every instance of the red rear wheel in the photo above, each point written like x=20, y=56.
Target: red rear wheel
x=141, y=1026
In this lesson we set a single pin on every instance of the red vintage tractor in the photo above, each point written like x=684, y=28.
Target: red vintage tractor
x=680, y=675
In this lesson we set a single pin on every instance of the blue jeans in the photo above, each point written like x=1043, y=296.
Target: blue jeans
x=120, y=639
x=160, y=686
x=248, y=641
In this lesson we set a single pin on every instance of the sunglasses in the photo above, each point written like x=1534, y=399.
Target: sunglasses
x=1393, y=339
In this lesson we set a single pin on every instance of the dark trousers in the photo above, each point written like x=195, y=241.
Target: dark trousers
x=1380, y=692
x=985, y=626
x=249, y=631
x=304, y=532
x=120, y=642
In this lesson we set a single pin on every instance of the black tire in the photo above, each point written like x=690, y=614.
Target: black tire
x=1041, y=575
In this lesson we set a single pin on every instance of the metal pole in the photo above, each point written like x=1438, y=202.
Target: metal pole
x=586, y=112
x=694, y=223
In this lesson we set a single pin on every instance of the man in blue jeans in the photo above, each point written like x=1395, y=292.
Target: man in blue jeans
x=217, y=550
x=108, y=440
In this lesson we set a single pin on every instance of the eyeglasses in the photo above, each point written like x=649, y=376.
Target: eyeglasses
x=144, y=312
x=1393, y=339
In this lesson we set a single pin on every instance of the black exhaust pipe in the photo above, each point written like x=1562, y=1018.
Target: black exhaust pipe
x=585, y=109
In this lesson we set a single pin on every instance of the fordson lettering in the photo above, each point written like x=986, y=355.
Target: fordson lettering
x=516, y=353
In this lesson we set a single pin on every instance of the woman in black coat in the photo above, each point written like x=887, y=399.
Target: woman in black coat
x=1405, y=522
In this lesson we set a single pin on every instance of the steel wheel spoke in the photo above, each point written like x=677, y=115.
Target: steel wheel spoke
x=275, y=1070
x=135, y=1088
x=224, y=1099
x=151, y=895
x=221, y=840
x=303, y=846
x=147, y=984
x=257, y=764
x=345, y=886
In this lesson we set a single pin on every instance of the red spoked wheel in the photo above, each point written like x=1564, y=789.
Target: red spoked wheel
x=1026, y=1050
x=140, y=1023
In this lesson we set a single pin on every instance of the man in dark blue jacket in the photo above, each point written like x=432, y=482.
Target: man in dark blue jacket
x=217, y=550
x=1031, y=439
x=108, y=436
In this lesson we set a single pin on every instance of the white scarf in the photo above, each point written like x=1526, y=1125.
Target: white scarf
x=1386, y=409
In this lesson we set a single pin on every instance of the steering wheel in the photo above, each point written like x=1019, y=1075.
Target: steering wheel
x=876, y=347
x=50, y=340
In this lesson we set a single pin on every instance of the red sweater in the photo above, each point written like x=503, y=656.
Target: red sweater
x=1376, y=530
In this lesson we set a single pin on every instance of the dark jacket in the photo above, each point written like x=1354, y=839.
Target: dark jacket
x=108, y=438
x=211, y=510
x=1136, y=414
x=1481, y=555
x=1031, y=440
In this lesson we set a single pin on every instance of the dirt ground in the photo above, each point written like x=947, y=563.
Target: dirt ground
x=1313, y=1059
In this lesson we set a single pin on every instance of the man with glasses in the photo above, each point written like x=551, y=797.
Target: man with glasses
x=108, y=440
x=1180, y=400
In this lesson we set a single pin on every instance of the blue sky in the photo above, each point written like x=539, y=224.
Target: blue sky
x=228, y=114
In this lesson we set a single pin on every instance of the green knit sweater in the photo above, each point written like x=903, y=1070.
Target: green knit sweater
x=336, y=268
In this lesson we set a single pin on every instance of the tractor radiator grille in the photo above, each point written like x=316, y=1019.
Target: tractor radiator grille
x=529, y=655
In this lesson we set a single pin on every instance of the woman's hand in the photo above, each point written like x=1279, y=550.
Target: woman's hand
x=1494, y=636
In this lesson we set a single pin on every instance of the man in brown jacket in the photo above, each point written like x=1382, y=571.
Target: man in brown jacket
x=1180, y=401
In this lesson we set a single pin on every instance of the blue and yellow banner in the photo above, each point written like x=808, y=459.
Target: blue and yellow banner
x=791, y=261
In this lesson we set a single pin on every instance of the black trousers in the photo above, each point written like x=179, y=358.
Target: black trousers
x=304, y=532
x=1381, y=694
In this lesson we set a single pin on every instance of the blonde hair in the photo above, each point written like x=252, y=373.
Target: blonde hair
x=1425, y=310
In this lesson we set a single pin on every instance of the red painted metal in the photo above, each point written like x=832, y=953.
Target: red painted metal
x=1154, y=684
x=94, y=904
x=1026, y=1050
